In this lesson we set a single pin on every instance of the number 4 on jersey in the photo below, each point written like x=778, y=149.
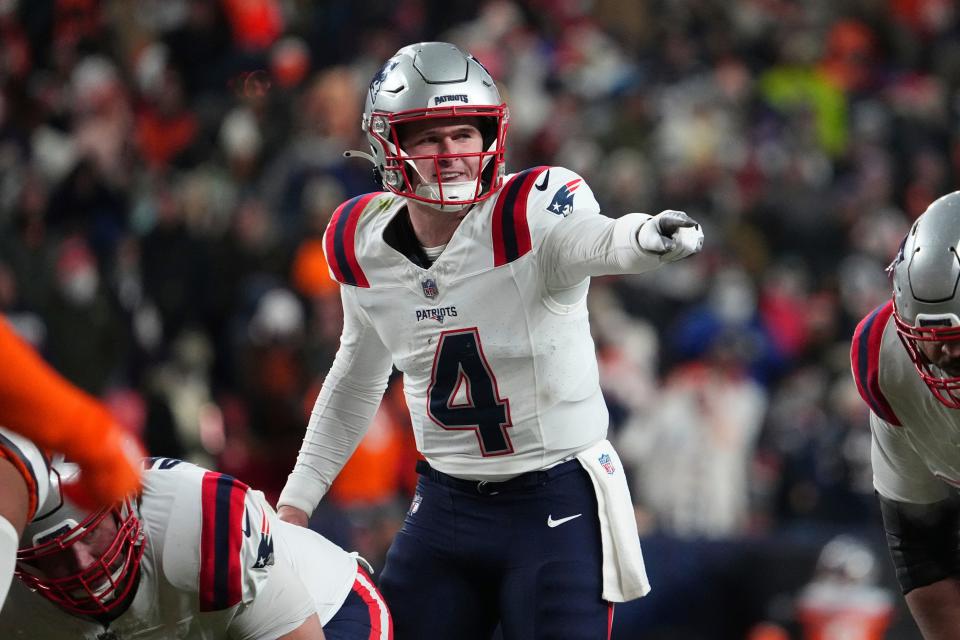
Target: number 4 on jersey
x=463, y=392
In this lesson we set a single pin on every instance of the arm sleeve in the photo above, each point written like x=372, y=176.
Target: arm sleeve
x=899, y=472
x=344, y=408
x=587, y=243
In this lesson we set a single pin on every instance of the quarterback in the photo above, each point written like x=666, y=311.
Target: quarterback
x=196, y=555
x=906, y=362
x=473, y=283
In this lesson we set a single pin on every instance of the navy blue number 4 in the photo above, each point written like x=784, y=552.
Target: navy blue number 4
x=463, y=392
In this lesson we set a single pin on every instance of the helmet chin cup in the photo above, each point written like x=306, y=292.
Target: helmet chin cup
x=456, y=195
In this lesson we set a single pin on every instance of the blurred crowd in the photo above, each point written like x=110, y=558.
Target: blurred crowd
x=167, y=168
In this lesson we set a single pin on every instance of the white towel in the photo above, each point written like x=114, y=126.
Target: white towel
x=624, y=575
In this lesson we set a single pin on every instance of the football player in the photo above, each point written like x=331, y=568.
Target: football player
x=197, y=554
x=473, y=283
x=906, y=362
x=37, y=402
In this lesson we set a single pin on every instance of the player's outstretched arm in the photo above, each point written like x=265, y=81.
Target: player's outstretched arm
x=38, y=403
x=670, y=234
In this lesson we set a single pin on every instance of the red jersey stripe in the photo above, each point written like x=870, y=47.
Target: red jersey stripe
x=221, y=538
x=865, y=361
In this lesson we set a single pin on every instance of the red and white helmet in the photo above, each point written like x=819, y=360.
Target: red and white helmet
x=110, y=541
x=926, y=292
x=425, y=81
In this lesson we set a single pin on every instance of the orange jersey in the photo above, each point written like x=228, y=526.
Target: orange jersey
x=41, y=405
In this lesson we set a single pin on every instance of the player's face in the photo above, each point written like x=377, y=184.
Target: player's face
x=81, y=555
x=943, y=355
x=445, y=138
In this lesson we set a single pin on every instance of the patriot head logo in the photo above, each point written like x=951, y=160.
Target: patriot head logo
x=265, y=548
x=378, y=79
x=562, y=203
x=607, y=463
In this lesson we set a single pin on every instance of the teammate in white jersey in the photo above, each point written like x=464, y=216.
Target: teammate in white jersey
x=473, y=283
x=906, y=362
x=196, y=555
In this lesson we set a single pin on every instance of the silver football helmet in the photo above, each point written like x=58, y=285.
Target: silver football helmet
x=62, y=534
x=926, y=293
x=427, y=81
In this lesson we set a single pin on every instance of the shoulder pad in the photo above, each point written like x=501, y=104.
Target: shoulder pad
x=31, y=462
x=511, y=233
x=865, y=361
x=340, y=238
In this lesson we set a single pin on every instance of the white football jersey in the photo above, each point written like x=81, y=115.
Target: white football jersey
x=216, y=566
x=493, y=340
x=915, y=437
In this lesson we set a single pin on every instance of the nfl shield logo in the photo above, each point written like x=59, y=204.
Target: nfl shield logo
x=430, y=288
x=415, y=505
x=607, y=464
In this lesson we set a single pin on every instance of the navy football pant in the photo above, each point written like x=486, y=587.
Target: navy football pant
x=469, y=557
x=363, y=614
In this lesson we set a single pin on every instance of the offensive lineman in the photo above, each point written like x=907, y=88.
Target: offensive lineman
x=196, y=555
x=473, y=283
x=906, y=363
x=37, y=402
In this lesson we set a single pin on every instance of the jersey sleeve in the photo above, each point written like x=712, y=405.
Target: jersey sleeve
x=33, y=465
x=340, y=241
x=865, y=361
x=573, y=239
x=213, y=532
x=899, y=472
x=344, y=408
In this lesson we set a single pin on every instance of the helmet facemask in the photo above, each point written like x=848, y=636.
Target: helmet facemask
x=401, y=176
x=432, y=81
x=932, y=333
x=85, y=563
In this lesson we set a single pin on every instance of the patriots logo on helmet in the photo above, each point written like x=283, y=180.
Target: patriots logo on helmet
x=378, y=79
x=607, y=463
x=562, y=203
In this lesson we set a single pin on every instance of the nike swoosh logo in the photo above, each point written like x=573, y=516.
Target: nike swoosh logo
x=556, y=523
x=543, y=184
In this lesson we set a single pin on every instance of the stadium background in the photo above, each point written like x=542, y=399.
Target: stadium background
x=167, y=168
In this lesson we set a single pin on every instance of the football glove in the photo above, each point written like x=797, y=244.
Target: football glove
x=672, y=235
